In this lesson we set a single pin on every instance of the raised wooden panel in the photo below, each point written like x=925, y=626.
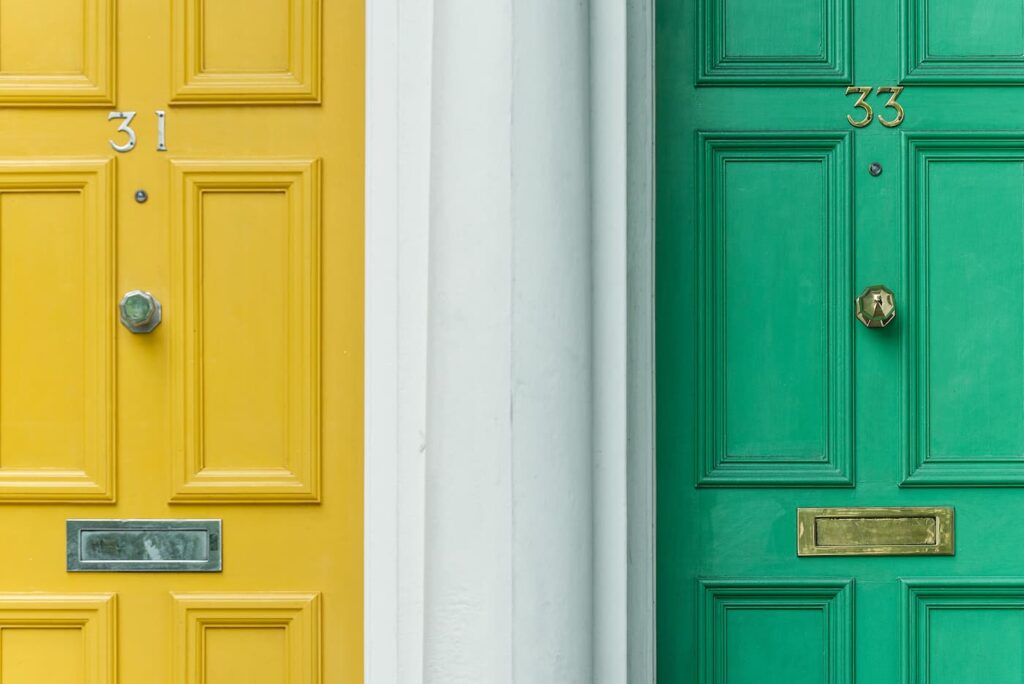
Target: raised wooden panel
x=246, y=374
x=246, y=51
x=58, y=52
x=963, y=41
x=962, y=630
x=964, y=304
x=786, y=42
x=261, y=638
x=793, y=631
x=773, y=311
x=56, y=331
x=58, y=638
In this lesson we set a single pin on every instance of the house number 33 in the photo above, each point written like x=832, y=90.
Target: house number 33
x=869, y=114
x=125, y=127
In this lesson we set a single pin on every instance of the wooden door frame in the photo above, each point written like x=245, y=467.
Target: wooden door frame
x=398, y=110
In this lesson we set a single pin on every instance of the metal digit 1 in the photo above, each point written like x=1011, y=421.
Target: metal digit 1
x=862, y=103
x=161, y=131
x=126, y=128
x=895, y=90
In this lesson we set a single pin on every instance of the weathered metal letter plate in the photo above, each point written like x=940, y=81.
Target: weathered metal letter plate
x=144, y=545
x=874, y=531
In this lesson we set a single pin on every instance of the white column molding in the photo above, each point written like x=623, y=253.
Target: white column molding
x=509, y=498
x=640, y=404
x=398, y=95
x=609, y=201
x=508, y=538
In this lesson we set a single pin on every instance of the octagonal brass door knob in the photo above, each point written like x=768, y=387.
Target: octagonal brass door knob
x=876, y=306
x=140, y=311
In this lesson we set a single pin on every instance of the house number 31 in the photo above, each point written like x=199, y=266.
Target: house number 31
x=126, y=127
x=869, y=114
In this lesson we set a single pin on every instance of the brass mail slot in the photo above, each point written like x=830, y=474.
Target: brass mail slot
x=874, y=531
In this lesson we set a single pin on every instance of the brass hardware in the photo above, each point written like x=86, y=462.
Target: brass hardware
x=895, y=90
x=862, y=103
x=869, y=113
x=140, y=311
x=876, y=306
x=874, y=531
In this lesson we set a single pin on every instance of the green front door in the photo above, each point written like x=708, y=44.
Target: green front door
x=774, y=213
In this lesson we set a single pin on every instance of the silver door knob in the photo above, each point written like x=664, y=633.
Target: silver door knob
x=876, y=306
x=140, y=311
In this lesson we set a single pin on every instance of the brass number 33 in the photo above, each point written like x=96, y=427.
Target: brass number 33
x=869, y=113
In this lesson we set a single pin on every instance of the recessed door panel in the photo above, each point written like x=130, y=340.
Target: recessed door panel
x=964, y=41
x=58, y=52
x=775, y=397
x=247, y=354
x=56, y=331
x=791, y=41
x=237, y=51
x=966, y=294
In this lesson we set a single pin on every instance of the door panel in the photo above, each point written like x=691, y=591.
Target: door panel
x=245, y=403
x=247, y=253
x=797, y=630
x=56, y=331
x=57, y=52
x=964, y=42
x=771, y=397
x=786, y=42
x=776, y=398
x=236, y=51
x=59, y=638
x=966, y=287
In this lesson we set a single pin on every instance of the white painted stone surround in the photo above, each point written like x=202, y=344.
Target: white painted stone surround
x=509, y=411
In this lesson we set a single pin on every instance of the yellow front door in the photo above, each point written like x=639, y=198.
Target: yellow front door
x=242, y=409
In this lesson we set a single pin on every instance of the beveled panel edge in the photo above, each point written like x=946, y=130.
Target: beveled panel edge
x=917, y=470
x=97, y=483
x=190, y=86
x=834, y=597
x=212, y=527
x=945, y=531
x=297, y=613
x=715, y=68
x=920, y=596
x=95, y=614
x=834, y=149
x=191, y=481
x=95, y=89
x=918, y=68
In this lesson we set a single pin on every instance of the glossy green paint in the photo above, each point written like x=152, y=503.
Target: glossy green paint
x=770, y=397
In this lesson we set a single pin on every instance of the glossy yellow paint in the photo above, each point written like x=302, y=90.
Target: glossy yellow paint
x=245, y=404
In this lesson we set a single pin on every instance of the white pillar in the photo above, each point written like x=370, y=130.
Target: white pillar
x=508, y=534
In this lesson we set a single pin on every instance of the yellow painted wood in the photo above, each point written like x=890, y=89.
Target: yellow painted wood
x=247, y=242
x=262, y=638
x=217, y=58
x=245, y=404
x=57, y=52
x=56, y=330
x=70, y=638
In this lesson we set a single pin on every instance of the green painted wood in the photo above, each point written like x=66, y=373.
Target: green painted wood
x=963, y=264
x=957, y=630
x=747, y=437
x=755, y=294
x=801, y=630
x=786, y=41
x=950, y=41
